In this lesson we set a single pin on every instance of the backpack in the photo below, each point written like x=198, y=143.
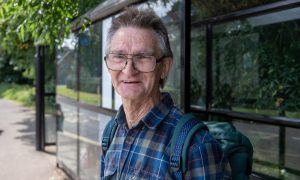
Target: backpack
x=236, y=146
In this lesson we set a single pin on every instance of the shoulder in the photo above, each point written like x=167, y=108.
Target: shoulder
x=206, y=153
x=204, y=145
x=172, y=118
x=203, y=137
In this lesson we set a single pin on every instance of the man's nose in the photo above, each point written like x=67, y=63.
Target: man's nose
x=129, y=67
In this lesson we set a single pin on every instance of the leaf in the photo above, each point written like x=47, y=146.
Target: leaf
x=22, y=33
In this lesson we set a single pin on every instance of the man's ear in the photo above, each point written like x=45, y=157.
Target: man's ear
x=167, y=64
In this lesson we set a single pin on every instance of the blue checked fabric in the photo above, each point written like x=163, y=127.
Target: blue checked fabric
x=143, y=152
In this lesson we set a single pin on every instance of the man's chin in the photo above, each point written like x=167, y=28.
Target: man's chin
x=130, y=95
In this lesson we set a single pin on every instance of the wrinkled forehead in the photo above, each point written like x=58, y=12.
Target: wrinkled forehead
x=132, y=40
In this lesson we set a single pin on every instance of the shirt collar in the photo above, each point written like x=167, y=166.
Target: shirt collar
x=155, y=116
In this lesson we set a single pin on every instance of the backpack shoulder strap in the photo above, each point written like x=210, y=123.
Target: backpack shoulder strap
x=186, y=127
x=108, y=134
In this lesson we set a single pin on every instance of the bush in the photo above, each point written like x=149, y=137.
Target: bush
x=25, y=94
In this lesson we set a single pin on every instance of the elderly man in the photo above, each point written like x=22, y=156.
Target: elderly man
x=139, y=58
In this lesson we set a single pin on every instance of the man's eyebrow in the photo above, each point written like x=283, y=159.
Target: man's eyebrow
x=143, y=52
x=117, y=52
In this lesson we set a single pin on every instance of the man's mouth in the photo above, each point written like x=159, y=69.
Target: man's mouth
x=129, y=82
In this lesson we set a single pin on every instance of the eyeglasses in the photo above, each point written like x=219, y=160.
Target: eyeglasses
x=141, y=62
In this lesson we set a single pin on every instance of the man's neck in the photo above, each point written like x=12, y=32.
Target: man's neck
x=136, y=110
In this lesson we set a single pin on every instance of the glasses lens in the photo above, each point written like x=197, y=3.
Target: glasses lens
x=141, y=63
x=116, y=61
x=144, y=63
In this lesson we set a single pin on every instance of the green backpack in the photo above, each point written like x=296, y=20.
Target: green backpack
x=236, y=146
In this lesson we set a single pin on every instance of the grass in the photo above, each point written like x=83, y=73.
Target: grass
x=269, y=112
x=64, y=91
x=24, y=94
x=90, y=98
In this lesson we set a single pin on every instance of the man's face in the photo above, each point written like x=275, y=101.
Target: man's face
x=130, y=83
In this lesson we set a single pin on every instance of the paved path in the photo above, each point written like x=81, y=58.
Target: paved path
x=18, y=158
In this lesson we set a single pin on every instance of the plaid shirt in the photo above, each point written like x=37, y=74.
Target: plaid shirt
x=143, y=152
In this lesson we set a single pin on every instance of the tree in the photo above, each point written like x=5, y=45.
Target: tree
x=25, y=23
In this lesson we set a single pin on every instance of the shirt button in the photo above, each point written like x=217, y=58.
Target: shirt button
x=128, y=140
x=123, y=131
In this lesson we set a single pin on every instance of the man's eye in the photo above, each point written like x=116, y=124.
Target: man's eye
x=119, y=56
x=142, y=58
x=139, y=57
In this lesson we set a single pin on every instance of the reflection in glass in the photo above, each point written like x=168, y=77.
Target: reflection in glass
x=91, y=124
x=256, y=65
x=292, y=149
x=256, y=71
x=49, y=96
x=49, y=65
x=66, y=85
x=67, y=137
x=66, y=68
x=50, y=119
x=90, y=65
x=265, y=140
x=203, y=9
x=198, y=67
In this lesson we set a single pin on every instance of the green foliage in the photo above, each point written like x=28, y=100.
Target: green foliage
x=15, y=67
x=16, y=55
x=40, y=21
x=279, y=67
x=23, y=94
x=43, y=21
x=206, y=9
x=261, y=66
x=23, y=24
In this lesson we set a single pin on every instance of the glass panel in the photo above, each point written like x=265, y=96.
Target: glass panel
x=265, y=141
x=50, y=105
x=256, y=64
x=107, y=92
x=67, y=120
x=169, y=12
x=203, y=9
x=90, y=65
x=91, y=124
x=266, y=144
x=198, y=66
x=66, y=69
x=67, y=137
x=50, y=119
x=49, y=66
x=292, y=156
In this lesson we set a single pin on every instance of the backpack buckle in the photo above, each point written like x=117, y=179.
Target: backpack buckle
x=175, y=162
x=105, y=141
